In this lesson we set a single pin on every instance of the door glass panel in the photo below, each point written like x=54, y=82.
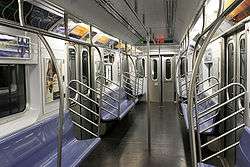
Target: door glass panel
x=243, y=65
x=243, y=61
x=143, y=68
x=85, y=70
x=168, y=69
x=72, y=69
x=184, y=66
x=154, y=71
x=230, y=74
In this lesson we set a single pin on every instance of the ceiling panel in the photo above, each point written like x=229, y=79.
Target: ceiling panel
x=170, y=21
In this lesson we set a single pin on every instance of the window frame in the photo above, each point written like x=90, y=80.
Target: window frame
x=14, y=116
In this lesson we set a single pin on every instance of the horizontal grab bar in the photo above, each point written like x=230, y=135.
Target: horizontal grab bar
x=76, y=113
x=83, y=95
x=207, y=79
x=84, y=129
x=211, y=109
x=221, y=90
x=217, y=84
x=108, y=80
x=109, y=112
x=223, y=135
x=222, y=120
x=84, y=107
x=110, y=104
x=84, y=85
x=219, y=152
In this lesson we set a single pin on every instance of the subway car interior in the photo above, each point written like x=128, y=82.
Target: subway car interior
x=124, y=83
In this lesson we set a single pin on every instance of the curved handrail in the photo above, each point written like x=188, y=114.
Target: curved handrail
x=211, y=30
x=207, y=79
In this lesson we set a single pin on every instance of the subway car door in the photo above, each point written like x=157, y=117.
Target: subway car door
x=155, y=79
x=161, y=86
x=235, y=68
x=167, y=80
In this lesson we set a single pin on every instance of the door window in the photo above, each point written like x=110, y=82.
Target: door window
x=85, y=70
x=154, y=70
x=230, y=57
x=168, y=71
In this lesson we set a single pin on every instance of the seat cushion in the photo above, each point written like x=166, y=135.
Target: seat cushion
x=37, y=145
x=243, y=149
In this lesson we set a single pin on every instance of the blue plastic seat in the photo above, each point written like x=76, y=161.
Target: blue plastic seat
x=243, y=149
x=36, y=146
x=109, y=113
x=200, y=108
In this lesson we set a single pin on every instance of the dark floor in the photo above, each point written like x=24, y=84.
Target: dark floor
x=125, y=145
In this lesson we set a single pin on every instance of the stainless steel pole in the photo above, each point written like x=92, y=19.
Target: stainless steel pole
x=61, y=104
x=147, y=97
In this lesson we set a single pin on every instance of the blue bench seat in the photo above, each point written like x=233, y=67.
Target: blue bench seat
x=243, y=149
x=200, y=108
x=36, y=146
x=109, y=113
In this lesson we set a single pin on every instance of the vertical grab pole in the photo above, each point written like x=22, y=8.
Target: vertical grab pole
x=101, y=87
x=211, y=31
x=147, y=98
x=120, y=79
x=61, y=104
x=192, y=89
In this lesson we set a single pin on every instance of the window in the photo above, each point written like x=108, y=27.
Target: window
x=12, y=89
x=72, y=69
x=72, y=63
x=184, y=66
x=143, y=67
x=85, y=70
x=108, y=72
x=140, y=67
x=168, y=71
x=38, y=17
x=9, y=10
x=154, y=71
x=243, y=66
x=230, y=58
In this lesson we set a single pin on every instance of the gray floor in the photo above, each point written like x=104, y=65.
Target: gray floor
x=125, y=144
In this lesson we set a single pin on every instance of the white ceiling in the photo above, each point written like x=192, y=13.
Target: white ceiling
x=155, y=16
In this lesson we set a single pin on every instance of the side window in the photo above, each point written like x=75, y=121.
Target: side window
x=12, y=89
x=154, y=69
x=168, y=71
